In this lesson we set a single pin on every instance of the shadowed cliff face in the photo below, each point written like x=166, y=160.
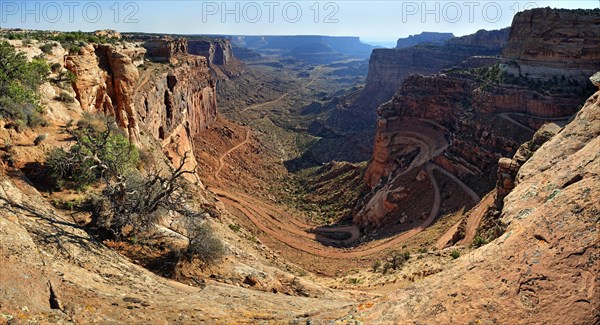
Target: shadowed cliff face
x=480, y=115
x=388, y=68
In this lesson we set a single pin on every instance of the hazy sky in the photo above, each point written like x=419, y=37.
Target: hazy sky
x=371, y=20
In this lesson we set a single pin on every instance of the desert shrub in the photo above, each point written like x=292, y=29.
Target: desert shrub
x=376, y=265
x=93, y=39
x=47, y=48
x=478, y=242
x=100, y=151
x=394, y=261
x=64, y=97
x=203, y=243
x=353, y=281
x=19, y=83
x=39, y=139
x=131, y=203
x=66, y=76
x=56, y=67
x=455, y=254
x=74, y=49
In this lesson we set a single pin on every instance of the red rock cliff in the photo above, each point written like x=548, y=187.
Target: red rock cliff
x=170, y=102
x=463, y=122
x=177, y=104
x=106, y=75
x=547, y=42
x=222, y=62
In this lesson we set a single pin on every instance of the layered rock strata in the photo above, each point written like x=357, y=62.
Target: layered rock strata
x=105, y=78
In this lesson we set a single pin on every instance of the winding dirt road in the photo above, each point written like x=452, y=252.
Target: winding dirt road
x=285, y=228
x=228, y=152
x=473, y=220
x=507, y=116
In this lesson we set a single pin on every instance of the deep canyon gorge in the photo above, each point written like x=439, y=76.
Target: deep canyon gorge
x=449, y=180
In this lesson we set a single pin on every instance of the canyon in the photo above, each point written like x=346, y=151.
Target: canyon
x=482, y=174
x=468, y=125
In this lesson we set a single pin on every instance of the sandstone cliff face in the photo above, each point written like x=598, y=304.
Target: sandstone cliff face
x=106, y=75
x=222, y=62
x=492, y=39
x=481, y=119
x=388, y=68
x=175, y=105
x=473, y=129
x=546, y=42
x=544, y=268
x=172, y=104
x=165, y=49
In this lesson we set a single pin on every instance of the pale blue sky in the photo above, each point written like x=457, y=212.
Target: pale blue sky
x=371, y=20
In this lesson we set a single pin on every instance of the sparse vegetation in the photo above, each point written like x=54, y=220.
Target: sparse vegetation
x=203, y=243
x=478, y=242
x=394, y=261
x=39, y=139
x=19, y=83
x=48, y=47
x=65, y=98
x=235, y=227
x=56, y=68
x=130, y=203
x=100, y=151
x=455, y=254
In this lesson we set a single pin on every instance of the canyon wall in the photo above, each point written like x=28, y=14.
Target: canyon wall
x=543, y=269
x=105, y=79
x=388, y=68
x=165, y=49
x=223, y=64
x=172, y=102
x=424, y=38
x=480, y=115
x=546, y=42
x=176, y=104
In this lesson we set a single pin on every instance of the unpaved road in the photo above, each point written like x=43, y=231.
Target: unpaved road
x=510, y=119
x=473, y=220
x=286, y=229
x=222, y=158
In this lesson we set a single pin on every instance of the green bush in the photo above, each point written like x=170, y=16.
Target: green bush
x=100, y=151
x=64, y=97
x=56, y=68
x=47, y=48
x=74, y=49
x=478, y=242
x=455, y=254
x=39, y=139
x=19, y=83
x=235, y=227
